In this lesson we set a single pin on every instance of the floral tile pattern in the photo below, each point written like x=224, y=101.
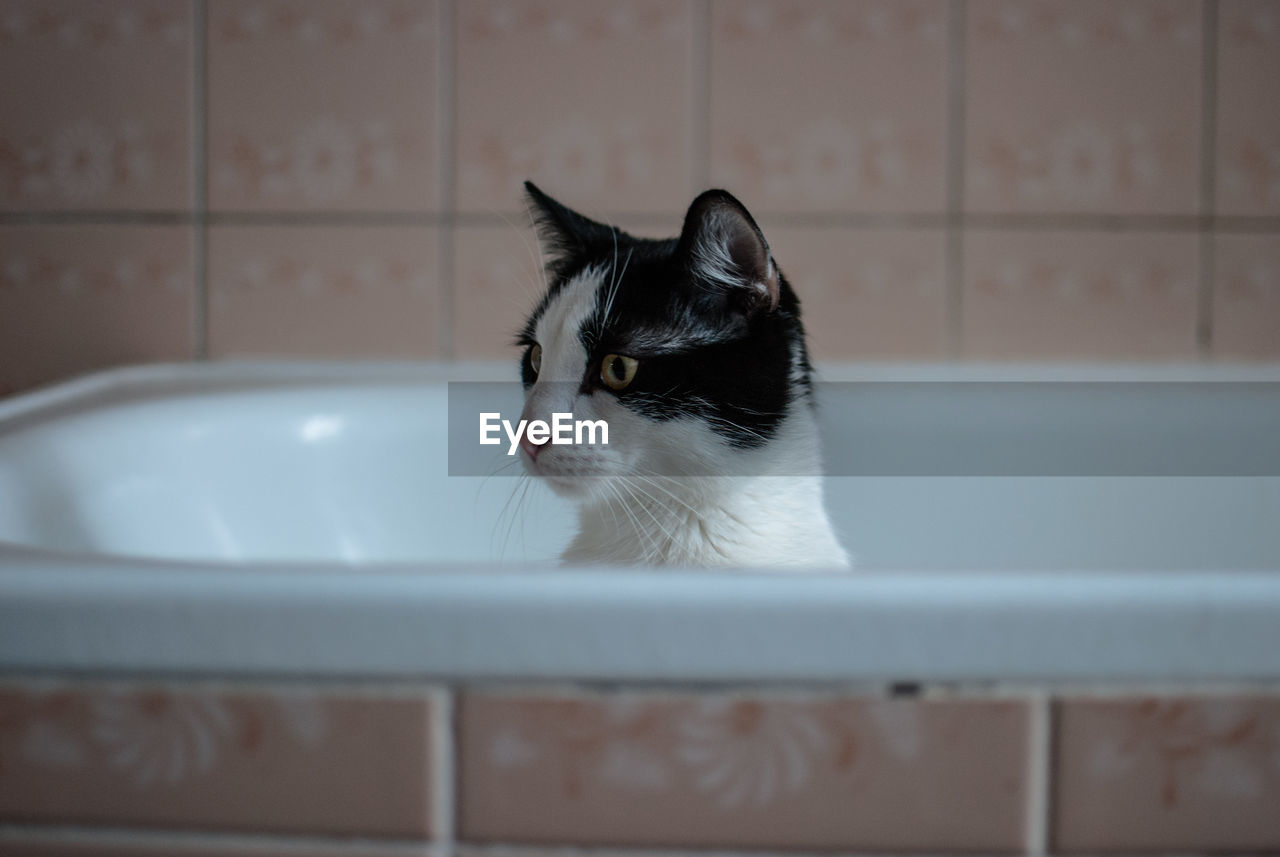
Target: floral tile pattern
x=264, y=760
x=326, y=291
x=1083, y=106
x=1248, y=143
x=590, y=99
x=867, y=294
x=732, y=771
x=1168, y=774
x=78, y=298
x=322, y=105
x=1246, y=296
x=855, y=99
x=1057, y=295
x=109, y=124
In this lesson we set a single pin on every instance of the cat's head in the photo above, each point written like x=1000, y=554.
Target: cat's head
x=690, y=348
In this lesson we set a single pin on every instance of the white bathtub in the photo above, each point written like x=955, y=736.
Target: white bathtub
x=278, y=519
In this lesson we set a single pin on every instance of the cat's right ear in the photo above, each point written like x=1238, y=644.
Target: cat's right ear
x=563, y=232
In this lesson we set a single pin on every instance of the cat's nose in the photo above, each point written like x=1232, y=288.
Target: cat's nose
x=530, y=447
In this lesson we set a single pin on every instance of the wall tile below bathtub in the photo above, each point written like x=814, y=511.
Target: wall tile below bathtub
x=1246, y=296
x=56, y=842
x=74, y=299
x=1079, y=295
x=1184, y=775
x=97, y=104
x=867, y=294
x=323, y=291
x=263, y=760
x=322, y=104
x=731, y=771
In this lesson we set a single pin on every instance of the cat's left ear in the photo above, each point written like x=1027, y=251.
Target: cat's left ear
x=564, y=233
x=726, y=252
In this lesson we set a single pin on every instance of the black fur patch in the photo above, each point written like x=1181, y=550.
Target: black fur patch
x=705, y=349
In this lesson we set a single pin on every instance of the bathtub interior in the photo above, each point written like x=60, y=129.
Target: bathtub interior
x=356, y=472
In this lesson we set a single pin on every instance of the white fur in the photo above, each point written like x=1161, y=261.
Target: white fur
x=716, y=264
x=644, y=498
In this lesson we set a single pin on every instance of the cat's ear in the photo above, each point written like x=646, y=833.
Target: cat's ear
x=727, y=254
x=564, y=233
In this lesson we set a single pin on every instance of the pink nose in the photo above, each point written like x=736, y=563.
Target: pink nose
x=531, y=448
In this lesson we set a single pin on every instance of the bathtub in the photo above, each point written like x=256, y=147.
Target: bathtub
x=263, y=519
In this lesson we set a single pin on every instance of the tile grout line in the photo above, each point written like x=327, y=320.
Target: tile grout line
x=911, y=221
x=953, y=276
x=412, y=687
x=178, y=840
x=446, y=163
x=200, y=167
x=1040, y=774
x=700, y=97
x=443, y=771
x=1208, y=176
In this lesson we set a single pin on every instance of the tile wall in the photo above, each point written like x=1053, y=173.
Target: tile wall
x=942, y=179
x=118, y=768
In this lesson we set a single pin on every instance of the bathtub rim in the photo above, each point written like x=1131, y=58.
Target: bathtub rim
x=90, y=614
x=226, y=373
x=485, y=623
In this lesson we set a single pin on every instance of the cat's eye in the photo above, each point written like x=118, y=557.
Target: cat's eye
x=535, y=358
x=617, y=371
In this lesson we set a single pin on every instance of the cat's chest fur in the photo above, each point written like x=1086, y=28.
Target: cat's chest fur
x=774, y=522
x=692, y=351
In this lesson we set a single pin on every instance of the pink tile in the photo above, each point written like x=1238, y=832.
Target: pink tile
x=282, y=760
x=78, y=298
x=732, y=771
x=323, y=291
x=97, y=113
x=1246, y=296
x=828, y=105
x=867, y=293
x=1079, y=295
x=322, y=104
x=1174, y=775
x=497, y=284
x=1083, y=106
x=590, y=100
x=1248, y=142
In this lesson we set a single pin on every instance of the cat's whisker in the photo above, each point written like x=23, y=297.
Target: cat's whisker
x=634, y=489
x=523, y=492
x=539, y=258
x=650, y=549
x=656, y=484
x=648, y=544
x=615, y=282
x=502, y=513
x=535, y=256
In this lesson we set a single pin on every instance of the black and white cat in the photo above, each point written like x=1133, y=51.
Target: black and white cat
x=693, y=352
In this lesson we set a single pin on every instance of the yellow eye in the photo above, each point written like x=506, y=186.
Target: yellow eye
x=535, y=358
x=617, y=371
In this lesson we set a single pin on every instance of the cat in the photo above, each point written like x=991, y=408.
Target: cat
x=692, y=351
